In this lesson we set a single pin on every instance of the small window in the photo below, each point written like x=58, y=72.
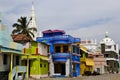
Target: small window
x=106, y=55
x=65, y=48
x=5, y=58
x=108, y=47
x=44, y=65
x=41, y=65
x=48, y=50
x=57, y=49
x=44, y=46
x=17, y=60
x=115, y=47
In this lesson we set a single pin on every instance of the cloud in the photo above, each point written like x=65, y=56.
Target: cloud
x=80, y=18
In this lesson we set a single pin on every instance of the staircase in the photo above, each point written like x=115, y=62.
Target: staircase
x=18, y=73
x=4, y=75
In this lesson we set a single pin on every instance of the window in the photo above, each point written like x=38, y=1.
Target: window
x=41, y=65
x=17, y=60
x=107, y=47
x=44, y=46
x=5, y=58
x=74, y=49
x=48, y=49
x=44, y=65
x=106, y=55
x=65, y=48
x=115, y=47
x=57, y=49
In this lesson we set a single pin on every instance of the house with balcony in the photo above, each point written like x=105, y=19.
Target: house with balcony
x=38, y=59
x=10, y=57
x=111, y=52
x=87, y=62
x=64, y=53
x=98, y=58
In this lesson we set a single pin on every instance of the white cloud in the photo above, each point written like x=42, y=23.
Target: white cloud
x=83, y=18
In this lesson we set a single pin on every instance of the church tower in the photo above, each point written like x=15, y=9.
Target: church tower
x=33, y=22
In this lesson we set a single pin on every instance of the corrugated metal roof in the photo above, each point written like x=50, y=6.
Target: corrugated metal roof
x=6, y=40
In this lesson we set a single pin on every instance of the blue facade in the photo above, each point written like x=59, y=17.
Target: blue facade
x=65, y=55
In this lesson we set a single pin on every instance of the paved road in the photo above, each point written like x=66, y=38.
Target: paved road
x=100, y=77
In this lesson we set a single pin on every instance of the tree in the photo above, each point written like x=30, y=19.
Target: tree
x=21, y=27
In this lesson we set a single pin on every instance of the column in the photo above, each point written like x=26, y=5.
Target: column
x=27, y=71
x=11, y=65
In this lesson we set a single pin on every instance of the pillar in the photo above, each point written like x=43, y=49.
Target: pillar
x=11, y=65
x=27, y=71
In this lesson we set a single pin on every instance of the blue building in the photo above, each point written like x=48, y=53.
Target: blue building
x=64, y=53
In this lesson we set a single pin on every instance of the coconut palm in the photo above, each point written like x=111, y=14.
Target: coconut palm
x=21, y=27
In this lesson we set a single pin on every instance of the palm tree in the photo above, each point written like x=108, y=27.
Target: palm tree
x=21, y=27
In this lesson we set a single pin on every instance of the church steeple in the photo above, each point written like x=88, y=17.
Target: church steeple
x=33, y=22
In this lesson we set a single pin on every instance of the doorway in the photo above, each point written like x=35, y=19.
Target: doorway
x=60, y=68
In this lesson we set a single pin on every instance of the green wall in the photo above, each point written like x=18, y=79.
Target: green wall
x=38, y=67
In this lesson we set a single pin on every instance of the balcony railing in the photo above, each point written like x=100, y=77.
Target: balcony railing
x=60, y=56
x=61, y=37
x=18, y=73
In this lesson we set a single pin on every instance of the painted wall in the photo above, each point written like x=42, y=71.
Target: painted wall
x=4, y=67
x=43, y=49
x=38, y=63
x=38, y=67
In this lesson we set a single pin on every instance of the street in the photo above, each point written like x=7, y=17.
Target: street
x=98, y=77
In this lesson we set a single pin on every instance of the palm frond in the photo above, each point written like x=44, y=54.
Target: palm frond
x=15, y=31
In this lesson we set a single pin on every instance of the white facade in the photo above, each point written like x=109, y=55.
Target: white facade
x=91, y=45
x=111, y=52
x=110, y=45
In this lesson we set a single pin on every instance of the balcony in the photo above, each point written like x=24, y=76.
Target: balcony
x=60, y=57
x=114, y=59
x=62, y=37
x=110, y=50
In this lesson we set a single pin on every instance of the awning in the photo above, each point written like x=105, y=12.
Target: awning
x=44, y=58
x=83, y=48
x=33, y=57
x=89, y=62
x=10, y=51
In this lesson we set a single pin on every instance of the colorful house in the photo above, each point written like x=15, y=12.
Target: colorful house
x=98, y=58
x=10, y=57
x=87, y=62
x=64, y=53
x=100, y=63
x=38, y=59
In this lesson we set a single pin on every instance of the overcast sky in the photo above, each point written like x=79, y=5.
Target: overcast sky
x=80, y=18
